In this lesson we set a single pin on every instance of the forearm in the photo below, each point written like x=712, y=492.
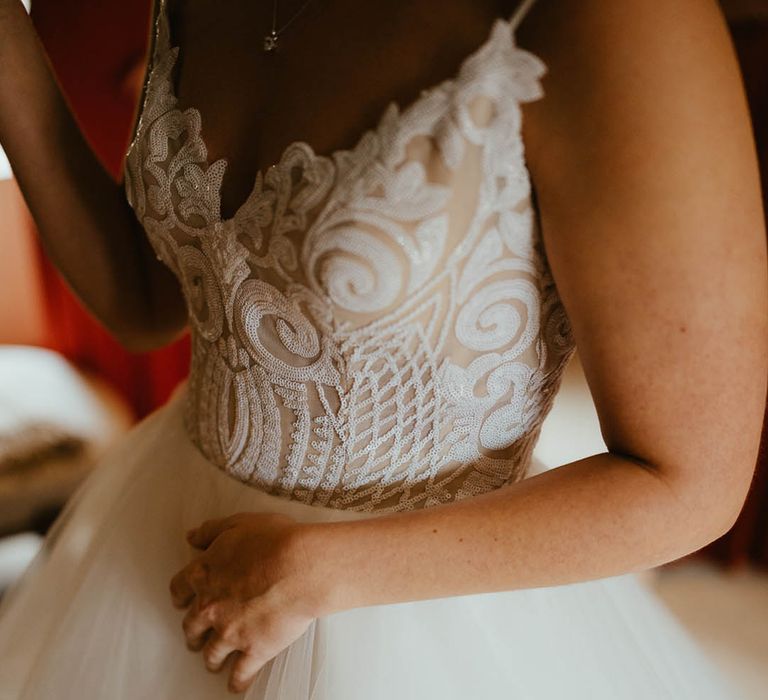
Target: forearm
x=83, y=219
x=597, y=517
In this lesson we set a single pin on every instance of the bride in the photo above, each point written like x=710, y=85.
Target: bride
x=388, y=226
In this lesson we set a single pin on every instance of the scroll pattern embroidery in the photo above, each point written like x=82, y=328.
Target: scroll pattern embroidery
x=374, y=329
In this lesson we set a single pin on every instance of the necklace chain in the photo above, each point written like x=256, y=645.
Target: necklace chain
x=270, y=40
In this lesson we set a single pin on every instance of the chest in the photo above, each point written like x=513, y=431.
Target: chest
x=421, y=211
x=338, y=66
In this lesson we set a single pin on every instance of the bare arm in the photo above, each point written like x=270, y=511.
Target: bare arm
x=83, y=218
x=646, y=174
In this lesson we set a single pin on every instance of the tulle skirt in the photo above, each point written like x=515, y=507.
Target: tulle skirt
x=92, y=619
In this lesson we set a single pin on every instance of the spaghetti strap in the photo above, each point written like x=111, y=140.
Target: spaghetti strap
x=157, y=36
x=518, y=15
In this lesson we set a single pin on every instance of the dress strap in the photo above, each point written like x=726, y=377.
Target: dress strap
x=162, y=39
x=518, y=15
x=158, y=40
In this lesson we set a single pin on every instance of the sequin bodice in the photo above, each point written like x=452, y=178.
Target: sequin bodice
x=376, y=328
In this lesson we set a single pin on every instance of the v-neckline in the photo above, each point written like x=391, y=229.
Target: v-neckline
x=500, y=26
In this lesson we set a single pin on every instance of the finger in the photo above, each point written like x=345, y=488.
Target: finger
x=244, y=671
x=196, y=624
x=216, y=651
x=204, y=534
x=181, y=589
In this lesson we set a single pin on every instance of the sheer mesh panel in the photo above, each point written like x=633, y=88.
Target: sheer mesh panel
x=377, y=328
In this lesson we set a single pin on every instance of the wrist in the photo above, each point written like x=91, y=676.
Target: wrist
x=320, y=549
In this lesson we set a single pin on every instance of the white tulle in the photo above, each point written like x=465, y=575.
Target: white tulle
x=92, y=618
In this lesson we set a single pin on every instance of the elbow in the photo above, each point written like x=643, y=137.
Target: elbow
x=711, y=507
x=156, y=325
x=727, y=518
x=728, y=494
x=706, y=501
x=139, y=338
x=137, y=344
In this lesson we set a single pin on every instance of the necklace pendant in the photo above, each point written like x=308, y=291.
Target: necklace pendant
x=270, y=42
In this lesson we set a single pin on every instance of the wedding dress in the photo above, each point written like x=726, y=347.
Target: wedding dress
x=373, y=330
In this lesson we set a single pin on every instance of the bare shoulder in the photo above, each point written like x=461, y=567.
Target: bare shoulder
x=629, y=55
x=643, y=161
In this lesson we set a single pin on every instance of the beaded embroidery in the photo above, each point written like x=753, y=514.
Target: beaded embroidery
x=371, y=330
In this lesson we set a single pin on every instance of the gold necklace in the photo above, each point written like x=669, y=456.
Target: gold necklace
x=270, y=40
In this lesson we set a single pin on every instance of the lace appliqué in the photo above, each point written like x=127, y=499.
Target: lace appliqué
x=376, y=329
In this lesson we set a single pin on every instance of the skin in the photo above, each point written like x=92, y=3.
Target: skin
x=83, y=218
x=646, y=180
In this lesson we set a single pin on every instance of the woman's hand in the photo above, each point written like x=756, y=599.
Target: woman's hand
x=250, y=591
